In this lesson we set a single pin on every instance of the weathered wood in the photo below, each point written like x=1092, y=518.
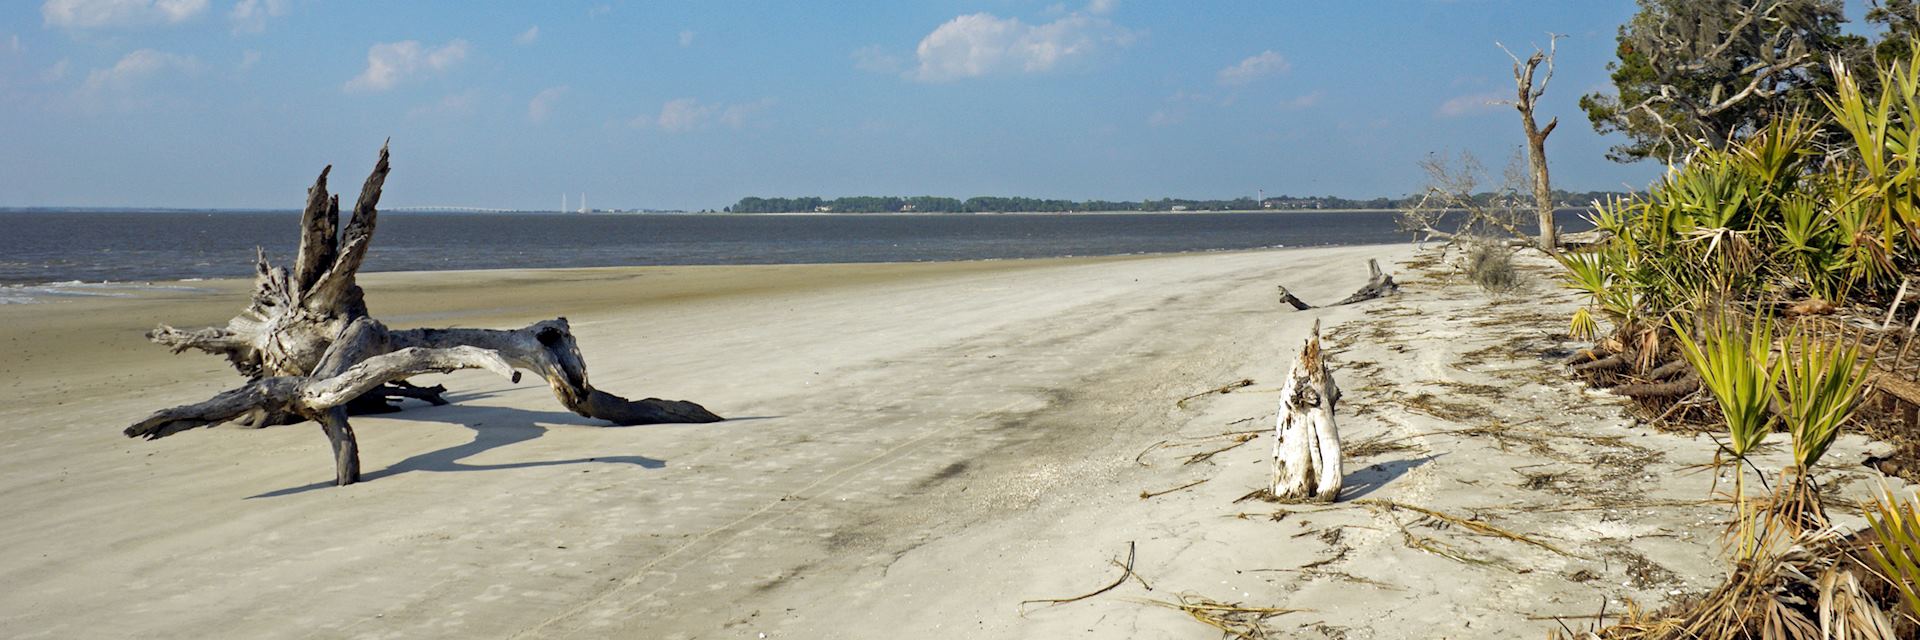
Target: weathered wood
x=1680, y=387
x=1608, y=363
x=1379, y=284
x=310, y=351
x=312, y=396
x=1306, y=447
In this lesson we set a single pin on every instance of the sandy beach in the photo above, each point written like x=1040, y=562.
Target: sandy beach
x=913, y=450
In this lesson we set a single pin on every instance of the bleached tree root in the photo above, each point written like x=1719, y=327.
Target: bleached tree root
x=310, y=351
x=1306, y=447
x=1379, y=284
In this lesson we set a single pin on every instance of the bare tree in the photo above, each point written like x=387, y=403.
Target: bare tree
x=1527, y=97
x=1453, y=197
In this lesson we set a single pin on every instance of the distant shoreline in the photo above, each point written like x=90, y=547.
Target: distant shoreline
x=83, y=210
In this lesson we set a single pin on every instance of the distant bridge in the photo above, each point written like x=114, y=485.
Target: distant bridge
x=450, y=209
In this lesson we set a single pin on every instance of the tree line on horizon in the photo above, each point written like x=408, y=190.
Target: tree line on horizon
x=998, y=204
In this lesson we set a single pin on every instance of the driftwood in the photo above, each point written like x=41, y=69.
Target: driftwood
x=1306, y=446
x=310, y=351
x=1378, y=284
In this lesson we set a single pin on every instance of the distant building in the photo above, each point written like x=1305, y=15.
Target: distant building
x=1179, y=207
x=823, y=209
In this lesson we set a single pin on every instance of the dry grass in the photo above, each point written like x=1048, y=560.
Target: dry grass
x=1490, y=266
x=1232, y=619
x=1795, y=587
x=1471, y=524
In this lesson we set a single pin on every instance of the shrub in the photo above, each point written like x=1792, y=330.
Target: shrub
x=1490, y=265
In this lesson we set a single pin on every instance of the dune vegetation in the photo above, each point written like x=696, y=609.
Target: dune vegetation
x=1759, y=288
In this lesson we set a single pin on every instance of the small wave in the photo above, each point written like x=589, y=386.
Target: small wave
x=37, y=293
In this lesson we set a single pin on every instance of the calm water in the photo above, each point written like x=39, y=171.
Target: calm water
x=47, y=247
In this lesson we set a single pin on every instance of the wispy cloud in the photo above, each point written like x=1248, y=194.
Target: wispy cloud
x=139, y=66
x=1303, y=101
x=541, y=106
x=688, y=114
x=983, y=44
x=530, y=36
x=1267, y=63
x=95, y=14
x=389, y=63
x=686, y=38
x=14, y=46
x=249, y=58
x=1101, y=7
x=250, y=16
x=1470, y=105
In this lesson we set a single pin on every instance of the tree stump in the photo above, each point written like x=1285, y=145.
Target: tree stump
x=309, y=349
x=1306, y=446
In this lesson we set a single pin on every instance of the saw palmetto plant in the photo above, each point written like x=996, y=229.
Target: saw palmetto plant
x=1824, y=382
x=1735, y=364
x=1896, y=547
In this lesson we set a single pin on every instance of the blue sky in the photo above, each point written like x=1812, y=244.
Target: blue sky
x=218, y=103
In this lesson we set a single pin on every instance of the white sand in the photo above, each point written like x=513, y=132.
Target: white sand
x=915, y=450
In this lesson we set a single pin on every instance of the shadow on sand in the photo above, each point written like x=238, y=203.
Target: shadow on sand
x=1373, y=477
x=525, y=425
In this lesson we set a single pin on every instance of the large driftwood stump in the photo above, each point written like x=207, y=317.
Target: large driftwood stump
x=310, y=351
x=1306, y=446
x=1378, y=284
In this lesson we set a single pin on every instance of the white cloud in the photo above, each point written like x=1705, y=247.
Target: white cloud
x=249, y=58
x=875, y=59
x=138, y=66
x=530, y=36
x=541, y=106
x=250, y=16
x=1101, y=7
x=981, y=44
x=92, y=14
x=1304, y=101
x=688, y=114
x=388, y=63
x=1470, y=104
x=1254, y=68
x=686, y=38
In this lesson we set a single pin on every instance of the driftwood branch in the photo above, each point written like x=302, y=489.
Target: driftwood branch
x=1379, y=284
x=310, y=351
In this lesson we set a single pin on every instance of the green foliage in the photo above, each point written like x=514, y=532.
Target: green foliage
x=1825, y=205
x=1733, y=364
x=1715, y=70
x=1824, y=382
x=1896, y=547
x=1902, y=25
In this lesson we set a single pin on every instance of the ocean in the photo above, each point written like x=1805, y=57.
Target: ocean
x=93, y=253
